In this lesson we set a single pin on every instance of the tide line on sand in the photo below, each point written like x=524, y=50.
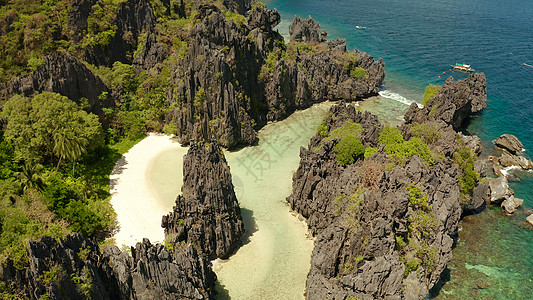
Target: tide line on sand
x=138, y=210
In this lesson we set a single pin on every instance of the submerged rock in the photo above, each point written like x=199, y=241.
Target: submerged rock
x=530, y=219
x=207, y=213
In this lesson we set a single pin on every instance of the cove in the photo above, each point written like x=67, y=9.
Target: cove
x=274, y=259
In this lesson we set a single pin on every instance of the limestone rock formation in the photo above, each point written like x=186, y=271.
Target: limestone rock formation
x=453, y=103
x=361, y=213
x=507, y=160
x=384, y=224
x=154, y=272
x=305, y=30
x=216, y=84
x=75, y=268
x=133, y=18
x=77, y=17
x=151, y=53
x=509, y=142
x=207, y=213
x=66, y=75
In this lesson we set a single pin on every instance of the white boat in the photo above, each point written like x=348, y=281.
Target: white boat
x=463, y=68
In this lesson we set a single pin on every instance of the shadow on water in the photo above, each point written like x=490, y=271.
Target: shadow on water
x=444, y=278
x=250, y=227
x=221, y=292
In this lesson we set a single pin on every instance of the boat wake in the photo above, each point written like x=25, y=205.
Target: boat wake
x=398, y=97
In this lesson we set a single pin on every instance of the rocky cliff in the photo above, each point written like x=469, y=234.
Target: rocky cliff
x=206, y=213
x=385, y=203
x=236, y=77
x=454, y=102
x=66, y=75
x=75, y=268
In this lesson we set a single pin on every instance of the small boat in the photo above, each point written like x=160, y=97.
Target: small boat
x=463, y=68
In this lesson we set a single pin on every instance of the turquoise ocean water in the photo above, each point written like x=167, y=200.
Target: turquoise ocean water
x=419, y=40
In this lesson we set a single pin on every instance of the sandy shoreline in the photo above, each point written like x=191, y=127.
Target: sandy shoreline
x=139, y=208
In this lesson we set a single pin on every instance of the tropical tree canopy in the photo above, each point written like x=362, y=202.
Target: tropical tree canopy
x=50, y=127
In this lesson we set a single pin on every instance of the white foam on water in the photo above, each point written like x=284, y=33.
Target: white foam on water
x=399, y=98
x=360, y=27
x=506, y=171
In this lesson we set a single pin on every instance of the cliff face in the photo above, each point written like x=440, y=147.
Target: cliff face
x=454, y=102
x=384, y=222
x=75, y=268
x=133, y=18
x=66, y=75
x=219, y=92
x=207, y=213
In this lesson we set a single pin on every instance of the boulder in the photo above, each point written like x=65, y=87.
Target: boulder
x=305, y=30
x=499, y=189
x=507, y=160
x=510, y=204
x=510, y=143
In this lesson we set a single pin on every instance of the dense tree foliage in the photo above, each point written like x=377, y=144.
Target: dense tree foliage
x=50, y=126
x=401, y=150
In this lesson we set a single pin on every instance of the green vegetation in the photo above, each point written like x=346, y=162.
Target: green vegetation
x=428, y=132
x=417, y=198
x=369, y=151
x=348, y=206
x=322, y=129
x=347, y=150
x=349, y=147
x=400, y=150
x=410, y=266
x=54, y=173
x=238, y=19
x=468, y=177
x=431, y=91
x=358, y=72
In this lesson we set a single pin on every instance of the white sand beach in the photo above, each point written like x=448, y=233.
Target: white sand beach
x=136, y=195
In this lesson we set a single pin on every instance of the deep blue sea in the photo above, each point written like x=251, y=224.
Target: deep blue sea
x=419, y=40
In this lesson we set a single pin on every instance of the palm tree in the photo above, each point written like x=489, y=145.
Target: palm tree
x=29, y=176
x=68, y=146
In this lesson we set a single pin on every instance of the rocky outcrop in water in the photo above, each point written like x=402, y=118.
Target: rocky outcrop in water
x=454, y=102
x=501, y=193
x=510, y=143
x=385, y=221
x=207, y=213
x=511, y=148
x=66, y=75
x=75, y=268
